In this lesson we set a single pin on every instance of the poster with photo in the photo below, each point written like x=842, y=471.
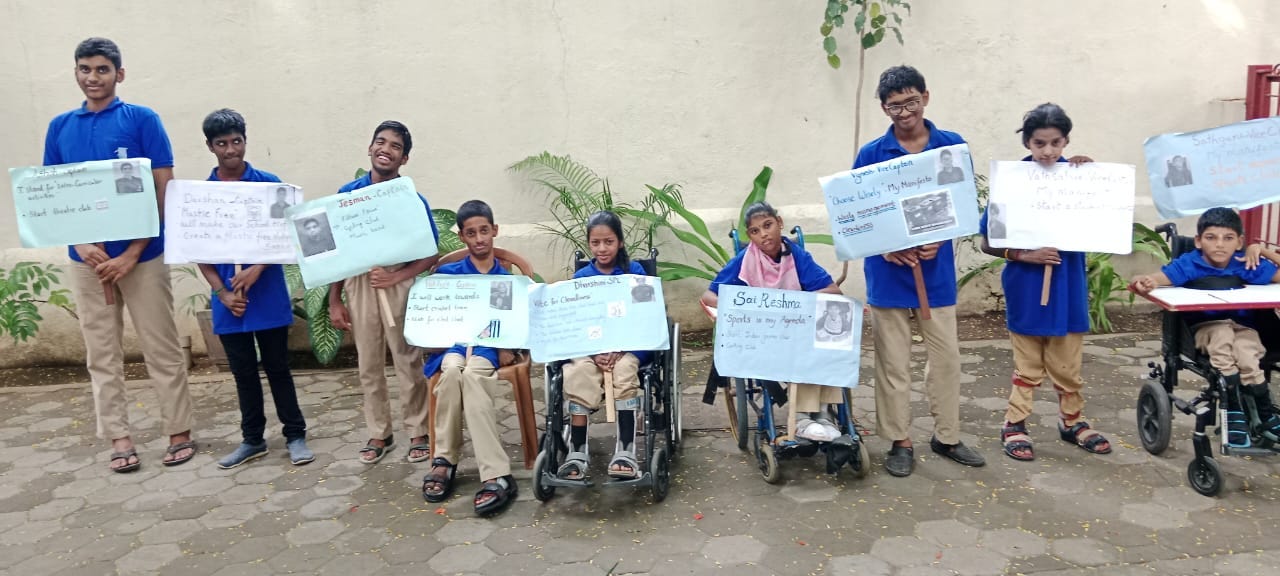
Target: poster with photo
x=215, y=222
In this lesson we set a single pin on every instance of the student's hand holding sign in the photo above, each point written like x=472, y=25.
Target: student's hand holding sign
x=246, y=278
x=92, y=254
x=1047, y=256
x=115, y=269
x=909, y=257
x=380, y=278
x=928, y=251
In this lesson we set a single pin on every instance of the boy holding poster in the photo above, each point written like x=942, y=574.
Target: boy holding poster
x=1047, y=339
x=388, y=151
x=468, y=385
x=130, y=271
x=891, y=294
x=252, y=305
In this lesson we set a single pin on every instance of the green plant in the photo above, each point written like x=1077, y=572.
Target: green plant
x=870, y=21
x=22, y=289
x=575, y=192
x=197, y=301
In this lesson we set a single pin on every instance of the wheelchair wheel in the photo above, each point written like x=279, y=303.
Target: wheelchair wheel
x=1155, y=419
x=768, y=462
x=743, y=420
x=1205, y=476
x=673, y=378
x=541, y=491
x=864, y=460
x=661, y=474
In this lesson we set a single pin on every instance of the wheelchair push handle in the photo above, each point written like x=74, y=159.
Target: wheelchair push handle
x=1168, y=230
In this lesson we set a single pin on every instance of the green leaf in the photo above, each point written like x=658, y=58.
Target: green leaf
x=875, y=10
x=833, y=60
x=868, y=40
x=838, y=21
x=879, y=35
x=978, y=271
x=672, y=271
x=878, y=21
x=325, y=339
x=695, y=222
x=859, y=21
x=898, y=34
x=821, y=239
x=825, y=29
x=829, y=44
x=360, y=172
x=833, y=8
x=759, y=189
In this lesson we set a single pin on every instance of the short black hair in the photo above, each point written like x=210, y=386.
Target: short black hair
x=398, y=128
x=1047, y=115
x=472, y=208
x=897, y=80
x=310, y=221
x=91, y=47
x=614, y=224
x=222, y=122
x=1219, y=218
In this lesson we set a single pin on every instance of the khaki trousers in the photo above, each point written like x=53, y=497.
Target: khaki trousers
x=146, y=292
x=1058, y=358
x=466, y=388
x=811, y=397
x=373, y=338
x=584, y=381
x=1232, y=348
x=891, y=331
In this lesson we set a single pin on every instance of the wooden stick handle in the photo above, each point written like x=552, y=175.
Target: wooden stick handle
x=109, y=291
x=922, y=294
x=791, y=411
x=1044, y=288
x=388, y=317
x=611, y=411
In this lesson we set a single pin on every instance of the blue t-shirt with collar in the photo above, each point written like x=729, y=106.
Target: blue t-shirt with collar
x=367, y=180
x=464, y=266
x=118, y=131
x=812, y=276
x=890, y=285
x=633, y=267
x=1192, y=266
x=1068, y=308
x=269, y=305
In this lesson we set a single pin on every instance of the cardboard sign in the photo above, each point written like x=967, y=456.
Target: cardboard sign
x=85, y=202
x=1085, y=208
x=229, y=222
x=474, y=309
x=1235, y=166
x=598, y=314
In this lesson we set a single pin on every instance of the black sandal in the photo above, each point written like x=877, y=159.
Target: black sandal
x=125, y=455
x=1083, y=436
x=437, y=488
x=1017, y=444
x=378, y=451
x=176, y=448
x=503, y=490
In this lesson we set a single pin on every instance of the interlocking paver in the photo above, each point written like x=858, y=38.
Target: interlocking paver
x=315, y=532
x=460, y=558
x=731, y=550
x=148, y=558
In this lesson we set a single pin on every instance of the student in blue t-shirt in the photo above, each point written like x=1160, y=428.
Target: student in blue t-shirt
x=1229, y=338
x=105, y=128
x=361, y=314
x=584, y=377
x=467, y=386
x=891, y=294
x=252, y=306
x=1047, y=340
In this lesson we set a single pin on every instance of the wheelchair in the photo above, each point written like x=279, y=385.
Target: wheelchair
x=747, y=397
x=1156, y=400
x=658, y=420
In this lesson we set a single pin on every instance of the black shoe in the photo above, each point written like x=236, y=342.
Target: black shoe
x=900, y=461
x=958, y=452
x=1269, y=421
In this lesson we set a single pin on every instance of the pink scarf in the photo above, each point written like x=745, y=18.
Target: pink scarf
x=760, y=271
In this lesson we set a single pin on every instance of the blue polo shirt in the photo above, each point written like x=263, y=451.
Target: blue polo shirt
x=812, y=276
x=367, y=180
x=890, y=285
x=1193, y=266
x=118, y=131
x=633, y=267
x=1068, y=308
x=464, y=266
x=268, y=303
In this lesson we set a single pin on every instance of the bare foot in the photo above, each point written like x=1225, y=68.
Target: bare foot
x=181, y=454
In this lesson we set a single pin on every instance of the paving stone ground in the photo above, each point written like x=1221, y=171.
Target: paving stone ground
x=63, y=512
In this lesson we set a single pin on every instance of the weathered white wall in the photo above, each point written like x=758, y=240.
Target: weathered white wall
x=701, y=93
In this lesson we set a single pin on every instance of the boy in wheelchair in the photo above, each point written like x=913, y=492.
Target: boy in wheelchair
x=1229, y=338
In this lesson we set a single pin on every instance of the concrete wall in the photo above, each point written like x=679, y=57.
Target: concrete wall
x=700, y=93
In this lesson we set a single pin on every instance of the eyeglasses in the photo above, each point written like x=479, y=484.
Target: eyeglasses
x=912, y=105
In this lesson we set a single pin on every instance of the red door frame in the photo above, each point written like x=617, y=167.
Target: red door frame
x=1262, y=94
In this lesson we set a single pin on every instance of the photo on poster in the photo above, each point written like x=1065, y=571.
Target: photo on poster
x=996, y=227
x=314, y=234
x=834, y=326
x=948, y=172
x=929, y=212
x=641, y=289
x=285, y=197
x=1177, y=172
x=500, y=295
x=128, y=180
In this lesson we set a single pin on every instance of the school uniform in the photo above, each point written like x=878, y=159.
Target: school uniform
x=812, y=277
x=1228, y=337
x=1047, y=340
x=891, y=295
x=268, y=313
x=124, y=131
x=584, y=381
x=373, y=338
x=467, y=386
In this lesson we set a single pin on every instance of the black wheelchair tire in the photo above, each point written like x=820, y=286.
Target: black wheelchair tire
x=768, y=462
x=661, y=473
x=1155, y=417
x=1205, y=476
x=541, y=491
x=744, y=413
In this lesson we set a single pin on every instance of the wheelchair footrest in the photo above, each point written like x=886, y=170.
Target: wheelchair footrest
x=549, y=479
x=1251, y=451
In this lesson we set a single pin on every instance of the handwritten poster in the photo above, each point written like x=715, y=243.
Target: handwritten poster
x=586, y=316
x=85, y=202
x=1236, y=166
x=343, y=235
x=788, y=336
x=1085, y=208
x=229, y=222
x=477, y=309
x=901, y=203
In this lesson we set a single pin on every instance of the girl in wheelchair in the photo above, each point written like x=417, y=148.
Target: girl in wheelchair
x=772, y=261
x=584, y=378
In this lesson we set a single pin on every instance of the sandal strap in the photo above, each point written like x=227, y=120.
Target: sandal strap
x=1016, y=438
x=127, y=454
x=176, y=448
